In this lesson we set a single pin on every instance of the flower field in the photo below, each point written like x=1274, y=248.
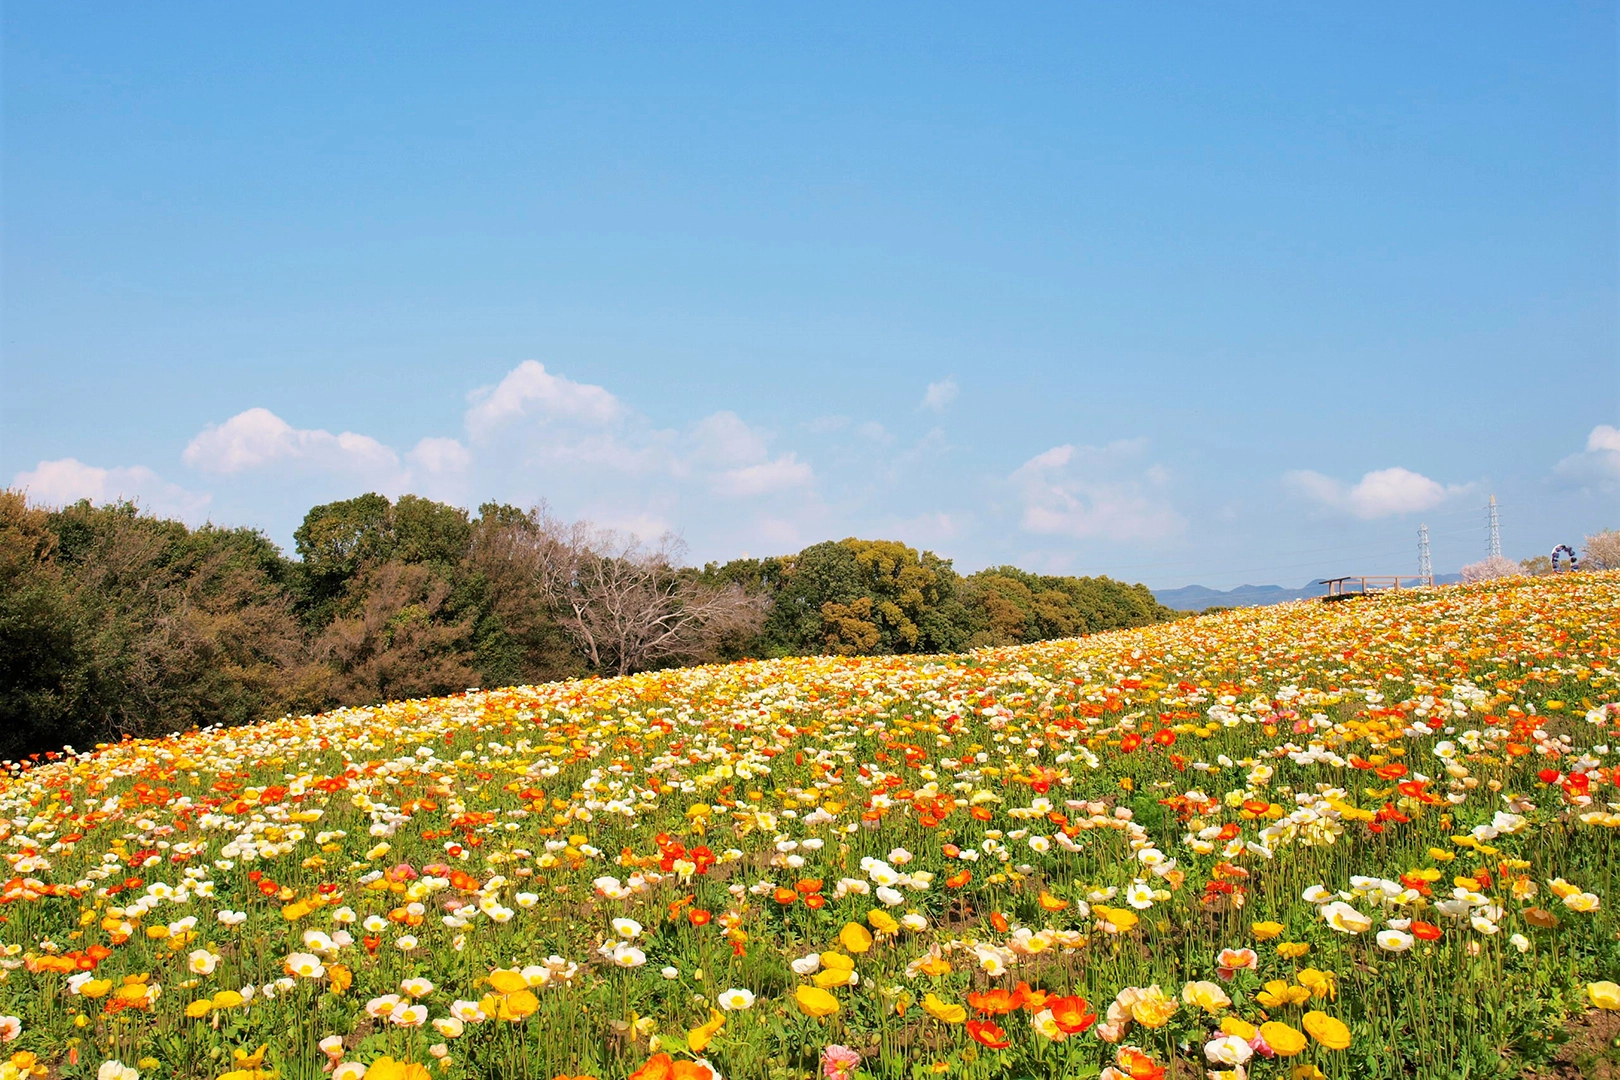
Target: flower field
x=1369, y=839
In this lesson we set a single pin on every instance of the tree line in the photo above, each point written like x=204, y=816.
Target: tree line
x=116, y=623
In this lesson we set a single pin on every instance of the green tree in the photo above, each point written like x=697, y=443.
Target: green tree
x=1010, y=605
x=170, y=628
x=856, y=596
x=1537, y=565
x=42, y=665
x=516, y=638
x=397, y=637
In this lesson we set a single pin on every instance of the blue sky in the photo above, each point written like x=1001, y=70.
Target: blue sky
x=1181, y=295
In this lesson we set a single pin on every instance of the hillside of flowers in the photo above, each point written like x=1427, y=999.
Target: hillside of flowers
x=1366, y=839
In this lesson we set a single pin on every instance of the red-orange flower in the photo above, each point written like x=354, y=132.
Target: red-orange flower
x=1029, y=1000
x=663, y=1067
x=989, y=1033
x=1072, y=1015
x=994, y=1002
x=1136, y=1064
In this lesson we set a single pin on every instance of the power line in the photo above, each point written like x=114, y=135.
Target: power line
x=1331, y=553
x=1496, y=532
x=1364, y=556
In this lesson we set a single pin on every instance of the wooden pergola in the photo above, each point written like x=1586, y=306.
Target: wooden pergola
x=1343, y=588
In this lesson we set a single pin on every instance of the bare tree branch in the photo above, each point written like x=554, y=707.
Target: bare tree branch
x=629, y=607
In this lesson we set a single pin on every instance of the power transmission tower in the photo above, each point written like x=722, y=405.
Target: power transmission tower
x=1496, y=530
x=1425, y=566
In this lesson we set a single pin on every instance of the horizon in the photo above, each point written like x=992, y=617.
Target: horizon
x=1173, y=302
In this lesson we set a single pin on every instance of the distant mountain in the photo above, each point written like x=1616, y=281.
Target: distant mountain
x=1199, y=597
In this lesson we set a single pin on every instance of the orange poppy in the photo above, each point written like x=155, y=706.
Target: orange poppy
x=1029, y=1000
x=1138, y=1065
x=1072, y=1015
x=994, y=1002
x=663, y=1067
x=989, y=1033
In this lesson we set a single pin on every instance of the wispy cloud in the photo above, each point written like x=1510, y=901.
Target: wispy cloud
x=1378, y=494
x=940, y=394
x=768, y=477
x=1089, y=491
x=1598, y=466
x=529, y=390
x=258, y=437
x=67, y=480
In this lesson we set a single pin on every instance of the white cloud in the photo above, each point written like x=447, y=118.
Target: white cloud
x=1088, y=491
x=67, y=480
x=646, y=525
x=940, y=394
x=440, y=456
x=609, y=451
x=1378, y=494
x=767, y=478
x=258, y=437
x=1599, y=464
x=780, y=534
x=927, y=530
x=724, y=439
x=530, y=390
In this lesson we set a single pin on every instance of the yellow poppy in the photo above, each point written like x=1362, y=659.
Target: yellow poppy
x=814, y=1001
x=698, y=1038
x=939, y=1010
x=1286, y=1041
x=1327, y=1031
x=1604, y=995
x=882, y=920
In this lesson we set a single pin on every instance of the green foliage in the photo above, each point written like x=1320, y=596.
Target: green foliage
x=338, y=541
x=1017, y=606
x=116, y=623
x=863, y=597
x=41, y=667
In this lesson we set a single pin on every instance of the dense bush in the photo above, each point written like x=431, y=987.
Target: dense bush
x=114, y=622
